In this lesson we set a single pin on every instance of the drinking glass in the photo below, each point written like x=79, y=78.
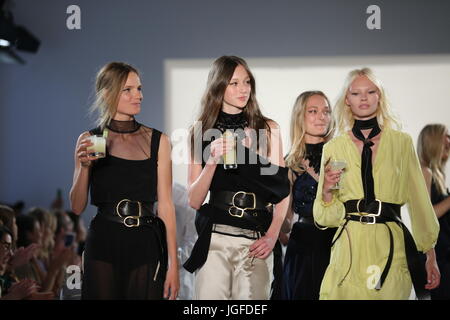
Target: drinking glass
x=98, y=149
x=229, y=158
x=336, y=165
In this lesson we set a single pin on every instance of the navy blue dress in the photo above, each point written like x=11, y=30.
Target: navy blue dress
x=308, y=251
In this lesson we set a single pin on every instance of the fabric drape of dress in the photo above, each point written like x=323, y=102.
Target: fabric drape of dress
x=361, y=252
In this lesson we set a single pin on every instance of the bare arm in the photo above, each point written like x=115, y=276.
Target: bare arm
x=442, y=207
x=80, y=184
x=287, y=223
x=199, y=179
x=166, y=211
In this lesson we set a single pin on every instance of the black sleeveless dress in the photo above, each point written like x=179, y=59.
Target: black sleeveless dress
x=442, y=248
x=308, y=251
x=122, y=262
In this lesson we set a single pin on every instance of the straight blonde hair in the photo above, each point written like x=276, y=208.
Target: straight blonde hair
x=344, y=115
x=430, y=150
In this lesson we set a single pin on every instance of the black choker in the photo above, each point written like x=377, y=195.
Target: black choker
x=231, y=121
x=366, y=124
x=128, y=126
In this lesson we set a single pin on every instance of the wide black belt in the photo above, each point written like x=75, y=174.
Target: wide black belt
x=129, y=213
x=133, y=214
x=383, y=212
x=241, y=204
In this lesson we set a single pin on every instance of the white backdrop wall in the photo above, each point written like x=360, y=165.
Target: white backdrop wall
x=417, y=86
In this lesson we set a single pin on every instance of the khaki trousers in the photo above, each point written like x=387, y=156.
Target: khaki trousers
x=228, y=273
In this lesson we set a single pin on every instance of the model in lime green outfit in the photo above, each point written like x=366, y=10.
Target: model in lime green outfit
x=391, y=176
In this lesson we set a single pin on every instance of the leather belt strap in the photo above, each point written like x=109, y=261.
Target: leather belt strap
x=241, y=204
x=127, y=212
x=240, y=199
x=383, y=212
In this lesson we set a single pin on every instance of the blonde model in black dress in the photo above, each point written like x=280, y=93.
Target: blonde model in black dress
x=130, y=249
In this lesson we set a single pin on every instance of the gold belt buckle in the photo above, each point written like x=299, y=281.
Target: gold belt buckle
x=132, y=225
x=241, y=210
x=126, y=218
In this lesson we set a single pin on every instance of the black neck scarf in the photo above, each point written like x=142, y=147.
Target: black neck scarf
x=366, y=157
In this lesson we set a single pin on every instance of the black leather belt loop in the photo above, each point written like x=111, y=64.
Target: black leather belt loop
x=127, y=212
x=240, y=204
x=383, y=212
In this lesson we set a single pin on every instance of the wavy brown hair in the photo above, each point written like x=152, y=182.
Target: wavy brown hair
x=218, y=79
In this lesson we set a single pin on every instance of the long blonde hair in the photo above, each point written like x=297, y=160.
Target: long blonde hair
x=298, y=130
x=430, y=150
x=344, y=114
x=108, y=86
x=218, y=79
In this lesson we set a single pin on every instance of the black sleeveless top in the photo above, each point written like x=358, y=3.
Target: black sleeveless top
x=113, y=179
x=255, y=174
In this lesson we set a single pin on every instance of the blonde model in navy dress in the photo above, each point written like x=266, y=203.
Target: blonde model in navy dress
x=308, y=248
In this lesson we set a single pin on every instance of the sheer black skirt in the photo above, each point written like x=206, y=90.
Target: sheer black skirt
x=123, y=263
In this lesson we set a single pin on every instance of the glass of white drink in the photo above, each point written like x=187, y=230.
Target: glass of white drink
x=98, y=149
x=337, y=165
x=229, y=158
